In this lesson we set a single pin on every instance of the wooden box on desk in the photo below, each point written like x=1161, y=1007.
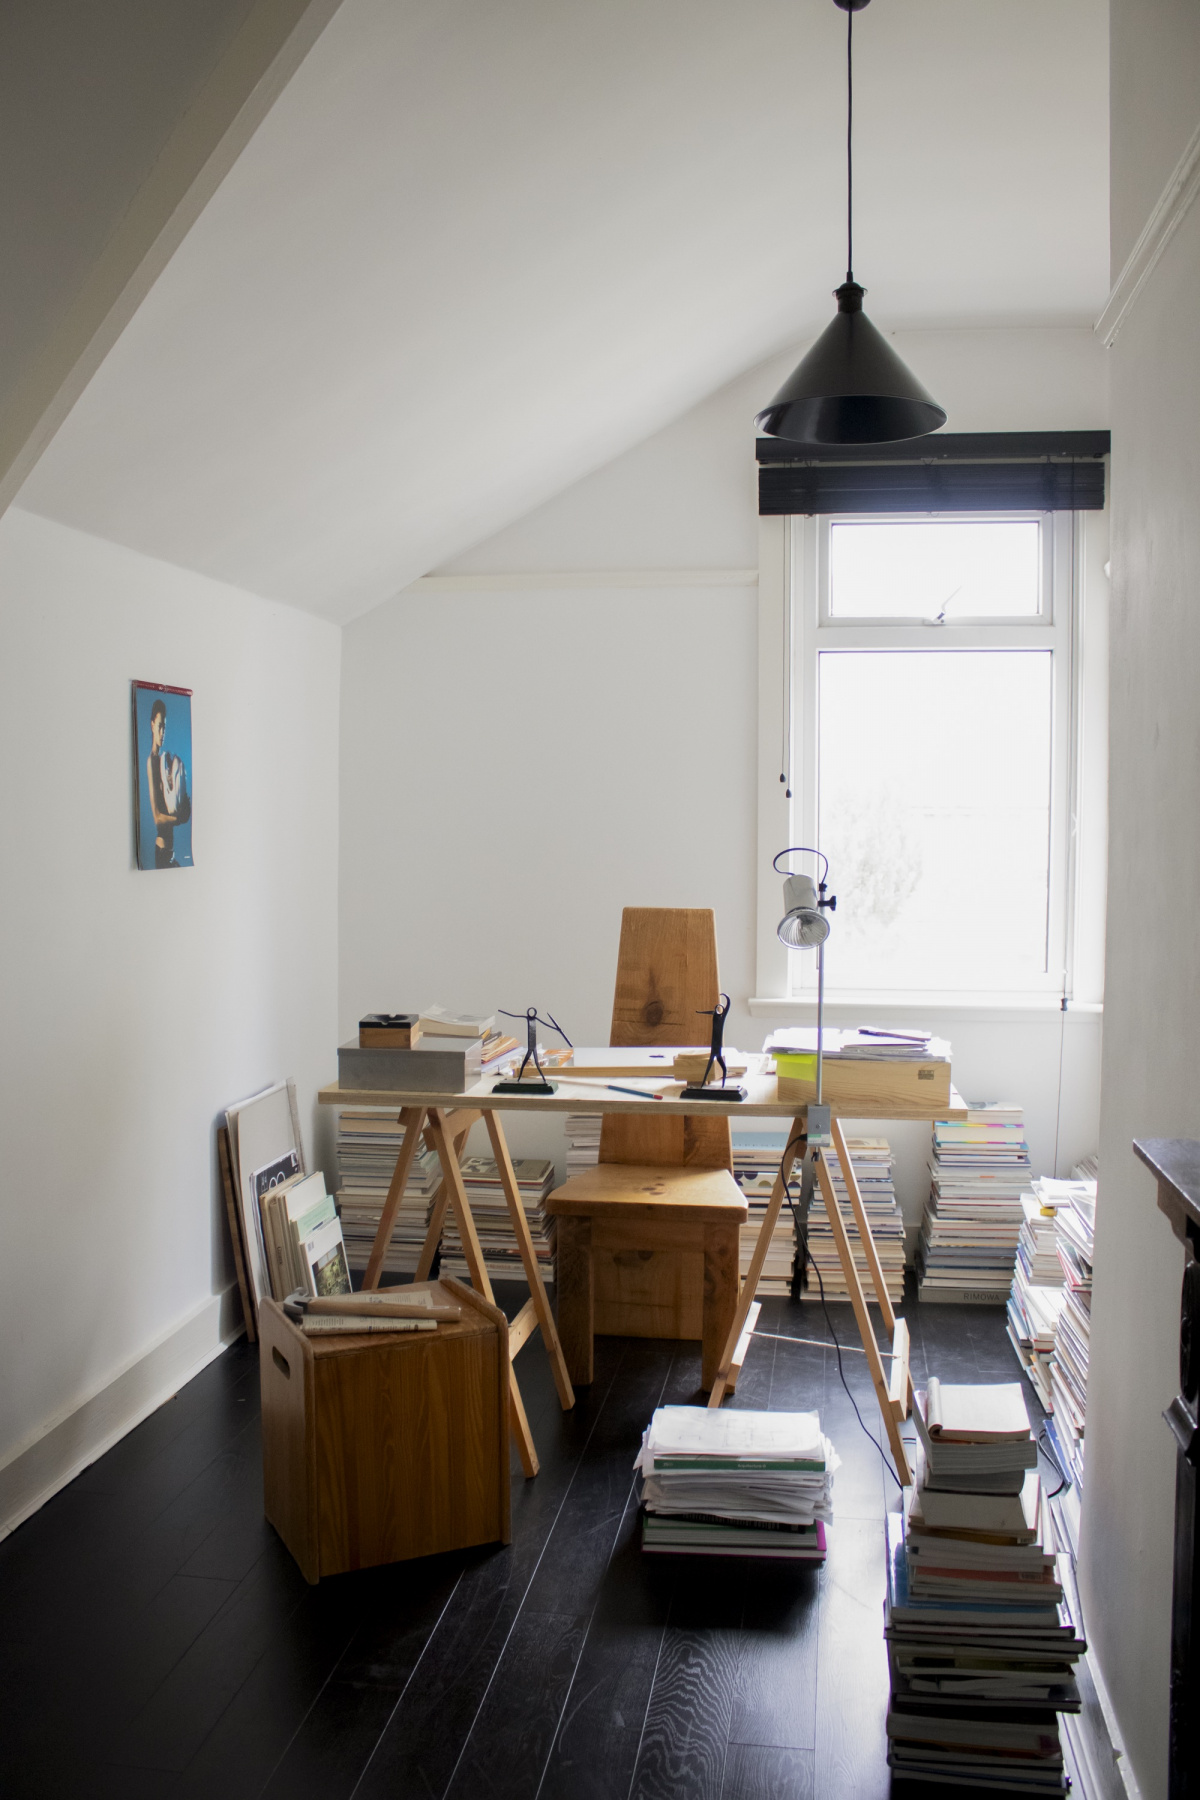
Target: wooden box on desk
x=381, y=1447
x=866, y=1090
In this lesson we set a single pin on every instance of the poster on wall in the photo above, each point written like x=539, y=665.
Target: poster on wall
x=162, y=775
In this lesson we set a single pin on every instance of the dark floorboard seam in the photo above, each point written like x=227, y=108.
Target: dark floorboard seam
x=516, y=1616
x=592, y=1615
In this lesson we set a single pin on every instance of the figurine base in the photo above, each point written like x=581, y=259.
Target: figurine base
x=540, y=1088
x=715, y=1092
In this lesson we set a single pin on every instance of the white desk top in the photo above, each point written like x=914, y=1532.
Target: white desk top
x=649, y=1069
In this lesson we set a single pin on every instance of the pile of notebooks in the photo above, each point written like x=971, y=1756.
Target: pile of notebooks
x=736, y=1483
x=583, y=1142
x=1036, y=1299
x=489, y=1209
x=982, y=1624
x=871, y=1160
x=756, y=1159
x=1074, y=1226
x=980, y=1177
x=368, y=1144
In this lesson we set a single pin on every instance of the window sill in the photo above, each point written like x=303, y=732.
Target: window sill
x=980, y=1009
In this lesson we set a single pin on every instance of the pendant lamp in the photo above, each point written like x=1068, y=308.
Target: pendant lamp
x=851, y=388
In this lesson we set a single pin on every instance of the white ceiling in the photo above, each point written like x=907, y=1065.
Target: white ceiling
x=478, y=248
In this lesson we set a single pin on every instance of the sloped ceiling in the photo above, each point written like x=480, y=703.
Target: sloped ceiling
x=478, y=247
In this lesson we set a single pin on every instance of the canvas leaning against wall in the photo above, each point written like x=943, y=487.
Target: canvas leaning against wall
x=162, y=775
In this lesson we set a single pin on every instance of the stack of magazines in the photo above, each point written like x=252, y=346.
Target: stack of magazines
x=734, y=1483
x=981, y=1622
x=489, y=1209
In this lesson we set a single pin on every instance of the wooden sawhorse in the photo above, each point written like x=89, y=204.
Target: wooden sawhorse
x=446, y=1132
x=895, y=1394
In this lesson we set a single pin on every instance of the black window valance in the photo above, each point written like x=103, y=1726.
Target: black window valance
x=1019, y=471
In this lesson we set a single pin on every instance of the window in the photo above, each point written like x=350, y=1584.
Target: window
x=932, y=761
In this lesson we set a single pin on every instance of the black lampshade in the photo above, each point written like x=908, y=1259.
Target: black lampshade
x=851, y=388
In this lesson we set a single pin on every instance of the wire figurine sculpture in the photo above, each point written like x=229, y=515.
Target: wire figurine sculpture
x=518, y=1083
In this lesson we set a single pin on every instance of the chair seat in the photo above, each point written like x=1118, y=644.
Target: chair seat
x=649, y=1190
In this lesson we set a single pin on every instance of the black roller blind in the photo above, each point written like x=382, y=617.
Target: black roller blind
x=1018, y=471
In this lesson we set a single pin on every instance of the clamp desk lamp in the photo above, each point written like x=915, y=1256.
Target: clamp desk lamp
x=804, y=926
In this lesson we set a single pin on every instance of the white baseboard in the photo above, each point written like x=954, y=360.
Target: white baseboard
x=62, y=1448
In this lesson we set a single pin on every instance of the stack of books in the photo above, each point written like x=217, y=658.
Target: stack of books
x=980, y=1177
x=368, y=1144
x=1036, y=1299
x=1074, y=1226
x=489, y=1209
x=871, y=1160
x=583, y=1142
x=982, y=1627
x=734, y=1483
x=756, y=1159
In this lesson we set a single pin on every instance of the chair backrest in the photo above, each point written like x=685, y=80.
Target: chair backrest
x=666, y=975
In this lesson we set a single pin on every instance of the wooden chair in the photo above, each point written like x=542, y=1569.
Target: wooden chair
x=648, y=1240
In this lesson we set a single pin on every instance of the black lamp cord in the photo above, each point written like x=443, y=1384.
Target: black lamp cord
x=850, y=145
x=802, y=1240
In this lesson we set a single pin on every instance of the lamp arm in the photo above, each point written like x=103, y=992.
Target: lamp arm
x=820, y=1014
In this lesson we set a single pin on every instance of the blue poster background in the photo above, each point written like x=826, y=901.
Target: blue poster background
x=177, y=741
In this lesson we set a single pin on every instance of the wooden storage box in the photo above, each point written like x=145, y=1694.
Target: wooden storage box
x=866, y=1090
x=381, y=1447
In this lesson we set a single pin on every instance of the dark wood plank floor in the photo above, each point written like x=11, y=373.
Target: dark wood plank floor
x=158, y=1642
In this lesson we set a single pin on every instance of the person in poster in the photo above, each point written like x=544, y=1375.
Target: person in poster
x=163, y=745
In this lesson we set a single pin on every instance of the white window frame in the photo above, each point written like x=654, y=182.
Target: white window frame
x=795, y=626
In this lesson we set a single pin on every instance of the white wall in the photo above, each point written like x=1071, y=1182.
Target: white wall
x=518, y=763
x=1152, y=1037
x=137, y=1005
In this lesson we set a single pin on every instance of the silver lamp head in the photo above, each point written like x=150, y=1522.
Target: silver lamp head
x=803, y=925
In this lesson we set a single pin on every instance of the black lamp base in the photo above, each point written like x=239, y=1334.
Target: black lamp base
x=525, y=1087
x=715, y=1092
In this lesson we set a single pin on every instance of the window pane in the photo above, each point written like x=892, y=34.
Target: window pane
x=923, y=568
x=934, y=812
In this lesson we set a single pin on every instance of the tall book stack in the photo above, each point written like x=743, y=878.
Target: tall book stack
x=1074, y=1226
x=740, y=1483
x=871, y=1160
x=756, y=1159
x=489, y=1209
x=1036, y=1299
x=980, y=1177
x=982, y=1629
x=583, y=1142
x=368, y=1144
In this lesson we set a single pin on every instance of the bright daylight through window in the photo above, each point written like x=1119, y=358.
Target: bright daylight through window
x=933, y=682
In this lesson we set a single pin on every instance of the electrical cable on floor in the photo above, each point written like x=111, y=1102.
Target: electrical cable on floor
x=802, y=1242
x=1043, y=1444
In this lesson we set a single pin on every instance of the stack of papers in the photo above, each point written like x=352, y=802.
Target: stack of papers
x=1036, y=1299
x=871, y=1160
x=368, y=1144
x=734, y=1483
x=981, y=1622
x=757, y=1155
x=1074, y=1227
x=870, y=1044
x=980, y=1179
x=583, y=1142
x=489, y=1209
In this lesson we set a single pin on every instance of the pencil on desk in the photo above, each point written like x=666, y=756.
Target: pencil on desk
x=616, y=1088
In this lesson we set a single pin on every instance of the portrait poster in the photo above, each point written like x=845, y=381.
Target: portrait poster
x=162, y=775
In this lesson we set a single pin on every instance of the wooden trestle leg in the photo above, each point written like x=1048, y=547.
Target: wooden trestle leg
x=863, y=1318
x=895, y=1397
x=443, y=1144
x=796, y=1140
